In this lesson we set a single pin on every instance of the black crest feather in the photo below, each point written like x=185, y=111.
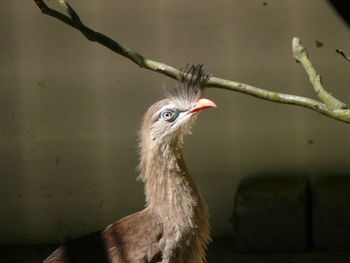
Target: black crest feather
x=191, y=83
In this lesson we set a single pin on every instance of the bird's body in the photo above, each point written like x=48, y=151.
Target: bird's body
x=173, y=228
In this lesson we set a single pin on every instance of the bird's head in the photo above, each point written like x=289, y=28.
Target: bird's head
x=169, y=120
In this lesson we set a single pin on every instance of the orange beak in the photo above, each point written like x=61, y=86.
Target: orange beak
x=201, y=105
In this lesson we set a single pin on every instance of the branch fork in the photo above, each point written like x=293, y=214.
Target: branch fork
x=301, y=55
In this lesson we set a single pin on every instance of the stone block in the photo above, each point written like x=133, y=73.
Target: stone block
x=270, y=214
x=331, y=213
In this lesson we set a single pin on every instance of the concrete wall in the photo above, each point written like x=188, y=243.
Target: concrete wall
x=70, y=109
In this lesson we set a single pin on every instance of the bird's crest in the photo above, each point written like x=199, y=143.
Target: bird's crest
x=190, y=84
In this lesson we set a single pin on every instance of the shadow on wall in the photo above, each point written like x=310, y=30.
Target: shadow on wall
x=10, y=131
x=342, y=8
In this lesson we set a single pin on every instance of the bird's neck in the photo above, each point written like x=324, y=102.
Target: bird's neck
x=169, y=188
x=172, y=195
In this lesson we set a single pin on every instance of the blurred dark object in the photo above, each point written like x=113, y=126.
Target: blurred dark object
x=318, y=43
x=342, y=8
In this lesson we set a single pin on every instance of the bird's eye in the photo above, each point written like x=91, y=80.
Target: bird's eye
x=169, y=115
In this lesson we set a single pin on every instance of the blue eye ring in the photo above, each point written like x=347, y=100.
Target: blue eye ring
x=169, y=115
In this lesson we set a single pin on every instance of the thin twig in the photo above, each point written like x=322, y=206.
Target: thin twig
x=331, y=106
x=343, y=54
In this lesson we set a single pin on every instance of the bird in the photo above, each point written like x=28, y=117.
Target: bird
x=173, y=227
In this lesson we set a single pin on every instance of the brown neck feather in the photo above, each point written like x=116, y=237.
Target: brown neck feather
x=172, y=194
x=167, y=180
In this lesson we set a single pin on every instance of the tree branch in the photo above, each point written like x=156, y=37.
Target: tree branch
x=300, y=54
x=342, y=53
x=75, y=22
x=331, y=106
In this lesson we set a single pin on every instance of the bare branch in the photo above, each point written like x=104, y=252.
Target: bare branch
x=301, y=56
x=338, y=114
x=342, y=53
x=331, y=106
x=75, y=22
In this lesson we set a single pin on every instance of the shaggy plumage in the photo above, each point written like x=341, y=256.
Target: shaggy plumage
x=173, y=228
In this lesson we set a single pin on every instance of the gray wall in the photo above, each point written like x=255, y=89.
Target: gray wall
x=70, y=109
